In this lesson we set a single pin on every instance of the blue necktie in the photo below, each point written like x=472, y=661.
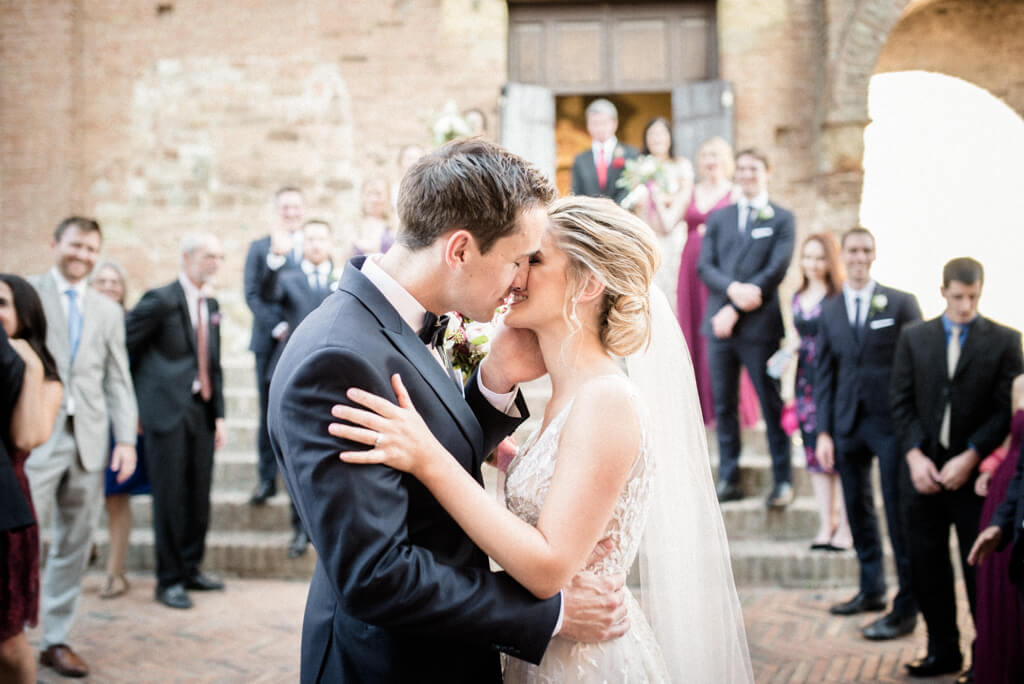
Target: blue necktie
x=74, y=322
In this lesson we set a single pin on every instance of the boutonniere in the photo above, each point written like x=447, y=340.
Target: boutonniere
x=766, y=213
x=467, y=343
x=878, y=303
x=618, y=157
x=333, y=279
x=215, y=318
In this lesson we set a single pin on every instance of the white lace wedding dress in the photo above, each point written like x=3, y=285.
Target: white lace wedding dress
x=634, y=657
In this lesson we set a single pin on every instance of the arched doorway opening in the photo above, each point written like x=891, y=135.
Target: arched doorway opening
x=940, y=176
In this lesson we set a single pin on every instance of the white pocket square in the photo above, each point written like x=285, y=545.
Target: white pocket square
x=882, y=323
x=758, y=233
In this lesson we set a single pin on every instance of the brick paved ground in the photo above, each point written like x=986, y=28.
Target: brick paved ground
x=250, y=633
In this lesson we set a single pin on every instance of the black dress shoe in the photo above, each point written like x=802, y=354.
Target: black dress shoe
x=264, y=490
x=781, y=496
x=174, y=596
x=933, y=665
x=861, y=603
x=728, y=491
x=201, y=582
x=967, y=676
x=892, y=626
x=298, y=546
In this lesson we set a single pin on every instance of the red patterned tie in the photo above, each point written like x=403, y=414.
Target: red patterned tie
x=602, y=168
x=203, y=352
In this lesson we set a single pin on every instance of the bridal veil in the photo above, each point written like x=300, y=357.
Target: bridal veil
x=687, y=589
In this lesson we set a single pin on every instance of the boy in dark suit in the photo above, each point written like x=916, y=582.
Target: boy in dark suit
x=746, y=251
x=857, y=337
x=950, y=396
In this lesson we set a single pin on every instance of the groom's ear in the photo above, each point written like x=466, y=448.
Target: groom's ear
x=457, y=247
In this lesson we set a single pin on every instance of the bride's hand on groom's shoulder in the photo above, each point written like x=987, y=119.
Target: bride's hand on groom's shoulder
x=395, y=433
x=514, y=357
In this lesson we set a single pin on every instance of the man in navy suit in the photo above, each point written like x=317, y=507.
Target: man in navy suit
x=596, y=171
x=268, y=324
x=400, y=593
x=857, y=337
x=298, y=291
x=950, y=394
x=746, y=251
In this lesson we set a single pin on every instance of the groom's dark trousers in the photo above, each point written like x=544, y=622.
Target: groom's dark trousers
x=400, y=593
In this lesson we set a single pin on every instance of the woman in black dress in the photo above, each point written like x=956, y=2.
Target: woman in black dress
x=30, y=395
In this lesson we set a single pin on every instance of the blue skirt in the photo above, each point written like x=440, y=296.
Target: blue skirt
x=138, y=483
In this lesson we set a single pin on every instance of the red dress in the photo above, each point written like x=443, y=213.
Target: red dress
x=691, y=303
x=999, y=619
x=19, y=574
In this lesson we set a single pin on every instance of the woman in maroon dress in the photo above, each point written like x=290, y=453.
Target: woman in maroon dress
x=999, y=619
x=26, y=420
x=713, y=190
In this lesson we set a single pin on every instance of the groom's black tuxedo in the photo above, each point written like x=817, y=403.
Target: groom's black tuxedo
x=400, y=593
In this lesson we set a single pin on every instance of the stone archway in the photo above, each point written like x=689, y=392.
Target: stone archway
x=857, y=32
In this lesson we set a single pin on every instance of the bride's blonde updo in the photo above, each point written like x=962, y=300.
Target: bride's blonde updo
x=621, y=251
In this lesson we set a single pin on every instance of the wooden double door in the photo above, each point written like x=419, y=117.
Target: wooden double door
x=586, y=50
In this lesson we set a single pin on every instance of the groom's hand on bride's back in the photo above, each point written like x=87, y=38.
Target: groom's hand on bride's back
x=514, y=357
x=594, y=608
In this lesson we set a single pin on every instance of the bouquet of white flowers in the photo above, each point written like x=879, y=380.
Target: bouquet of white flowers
x=450, y=125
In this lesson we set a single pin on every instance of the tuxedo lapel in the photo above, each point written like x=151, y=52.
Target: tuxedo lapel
x=590, y=169
x=56, y=320
x=186, y=317
x=408, y=343
x=972, y=345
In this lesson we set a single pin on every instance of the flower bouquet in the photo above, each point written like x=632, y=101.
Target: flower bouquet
x=450, y=125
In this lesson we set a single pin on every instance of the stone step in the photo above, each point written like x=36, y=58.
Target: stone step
x=241, y=402
x=230, y=511
x=235, y=470
x=232, y=554
x=239, y=371
x=756, y=474
x=241, y=432
x=750, y=519
x=759, y=562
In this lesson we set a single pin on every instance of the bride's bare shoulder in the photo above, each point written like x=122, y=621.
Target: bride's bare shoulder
x=607, y=408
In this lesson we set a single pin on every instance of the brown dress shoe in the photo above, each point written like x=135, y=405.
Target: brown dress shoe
x=65, y=661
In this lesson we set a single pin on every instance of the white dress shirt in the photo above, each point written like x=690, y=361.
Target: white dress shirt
x=317, y=275
x=62, y=287
x=850, y=295
x=743, y=205
x=609, y=150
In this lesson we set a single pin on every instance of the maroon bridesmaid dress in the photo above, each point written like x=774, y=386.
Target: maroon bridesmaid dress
x=19, y=573
x=691, y=303
x=999, y=619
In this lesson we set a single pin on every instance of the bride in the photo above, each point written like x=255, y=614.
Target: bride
x=620, y=456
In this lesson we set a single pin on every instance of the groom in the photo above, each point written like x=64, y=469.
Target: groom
x=400, y=593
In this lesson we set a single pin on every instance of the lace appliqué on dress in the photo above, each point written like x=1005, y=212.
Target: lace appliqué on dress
x=634, y=657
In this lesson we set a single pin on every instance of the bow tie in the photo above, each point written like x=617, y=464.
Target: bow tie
x=433, y=330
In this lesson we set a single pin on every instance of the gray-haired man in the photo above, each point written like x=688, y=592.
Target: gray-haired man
x=596, y=171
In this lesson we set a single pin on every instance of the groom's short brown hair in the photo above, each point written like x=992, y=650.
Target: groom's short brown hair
x=468, y=184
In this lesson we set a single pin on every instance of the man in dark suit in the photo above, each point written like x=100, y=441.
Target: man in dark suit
x=596, y=171
x=173, y=340
x=744, y=257
x=400, y=593
x=950, y=394
x=297, y=291
x=268, y=324
x=857, y=336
